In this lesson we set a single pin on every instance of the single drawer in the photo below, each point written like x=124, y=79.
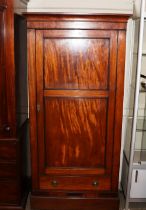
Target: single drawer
x=8, y=170
x=9, y=192
x=75, y=183
x=8, y=150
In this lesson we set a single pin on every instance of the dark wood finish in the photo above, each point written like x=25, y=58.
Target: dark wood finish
x=12, y=175
x=7, y=93
x=3, y=116
x=14, y=206
x=9, y=191
x=21, y=69
x=46, y=203
x=64, y=21
x=8, y=150
x=8, y=170
x=75, y=183
x=76, y=75
x=32, y=109
x=21, y=207
x=11, y=134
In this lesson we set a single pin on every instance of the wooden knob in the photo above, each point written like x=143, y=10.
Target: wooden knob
x=95, y=183
x=54, y=183
x=7, y=128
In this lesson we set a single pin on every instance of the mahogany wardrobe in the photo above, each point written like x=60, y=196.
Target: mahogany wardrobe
x=13, y=108
x=76, y=82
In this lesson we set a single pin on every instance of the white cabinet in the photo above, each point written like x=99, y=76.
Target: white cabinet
x=134, y=156
x=138, y=184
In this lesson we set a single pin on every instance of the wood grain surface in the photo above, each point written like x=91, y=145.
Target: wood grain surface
x=83, y=63
x=75, y=66
x=75, y=132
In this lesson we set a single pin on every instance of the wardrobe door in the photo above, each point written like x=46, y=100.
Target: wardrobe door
x=76, y=82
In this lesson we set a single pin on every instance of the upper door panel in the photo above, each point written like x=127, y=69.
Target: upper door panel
x=83, y=63
x=84, y=60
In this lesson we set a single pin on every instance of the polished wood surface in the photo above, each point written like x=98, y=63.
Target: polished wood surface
x=8, y=150
x=80, y=61
x=65, y=21
x=3, y=116
x=9, y=64
x=11, y=164
x=78, y=122
x=75, y=69
x=84, y=203
x=8, y=170
x=76, y=97
x=32, y=108
x=10, y=193
x=75, y=183
x=7, y=71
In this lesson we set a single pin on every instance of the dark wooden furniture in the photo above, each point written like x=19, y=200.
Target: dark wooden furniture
x=12, y=123
x=76, y=76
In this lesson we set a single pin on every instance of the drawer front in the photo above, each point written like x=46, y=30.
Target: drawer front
x=8, y=150
x=75, y=183
x=9, y=192
x=8, y=170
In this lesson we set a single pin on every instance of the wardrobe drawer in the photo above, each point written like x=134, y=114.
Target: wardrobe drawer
x=8, y=170
x=75, y=183
x=9, y=192
x=8, y=150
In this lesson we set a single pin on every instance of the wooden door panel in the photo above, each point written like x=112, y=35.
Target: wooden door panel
x=83, y=63
x=76, y=83
x=75, y=132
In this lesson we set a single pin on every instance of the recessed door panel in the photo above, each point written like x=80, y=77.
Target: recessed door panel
x=75, y=132
x=83, y=63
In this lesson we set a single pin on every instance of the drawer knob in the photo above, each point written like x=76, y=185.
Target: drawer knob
x=54, y=183
x=7, y=128
x=95, y=183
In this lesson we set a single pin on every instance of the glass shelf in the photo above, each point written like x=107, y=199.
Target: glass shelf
x=142, y=91
x=141, y=125
x=139, y=157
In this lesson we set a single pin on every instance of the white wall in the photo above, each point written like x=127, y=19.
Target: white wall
x=89, y=6
x=20, y=6
x=136, y=8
